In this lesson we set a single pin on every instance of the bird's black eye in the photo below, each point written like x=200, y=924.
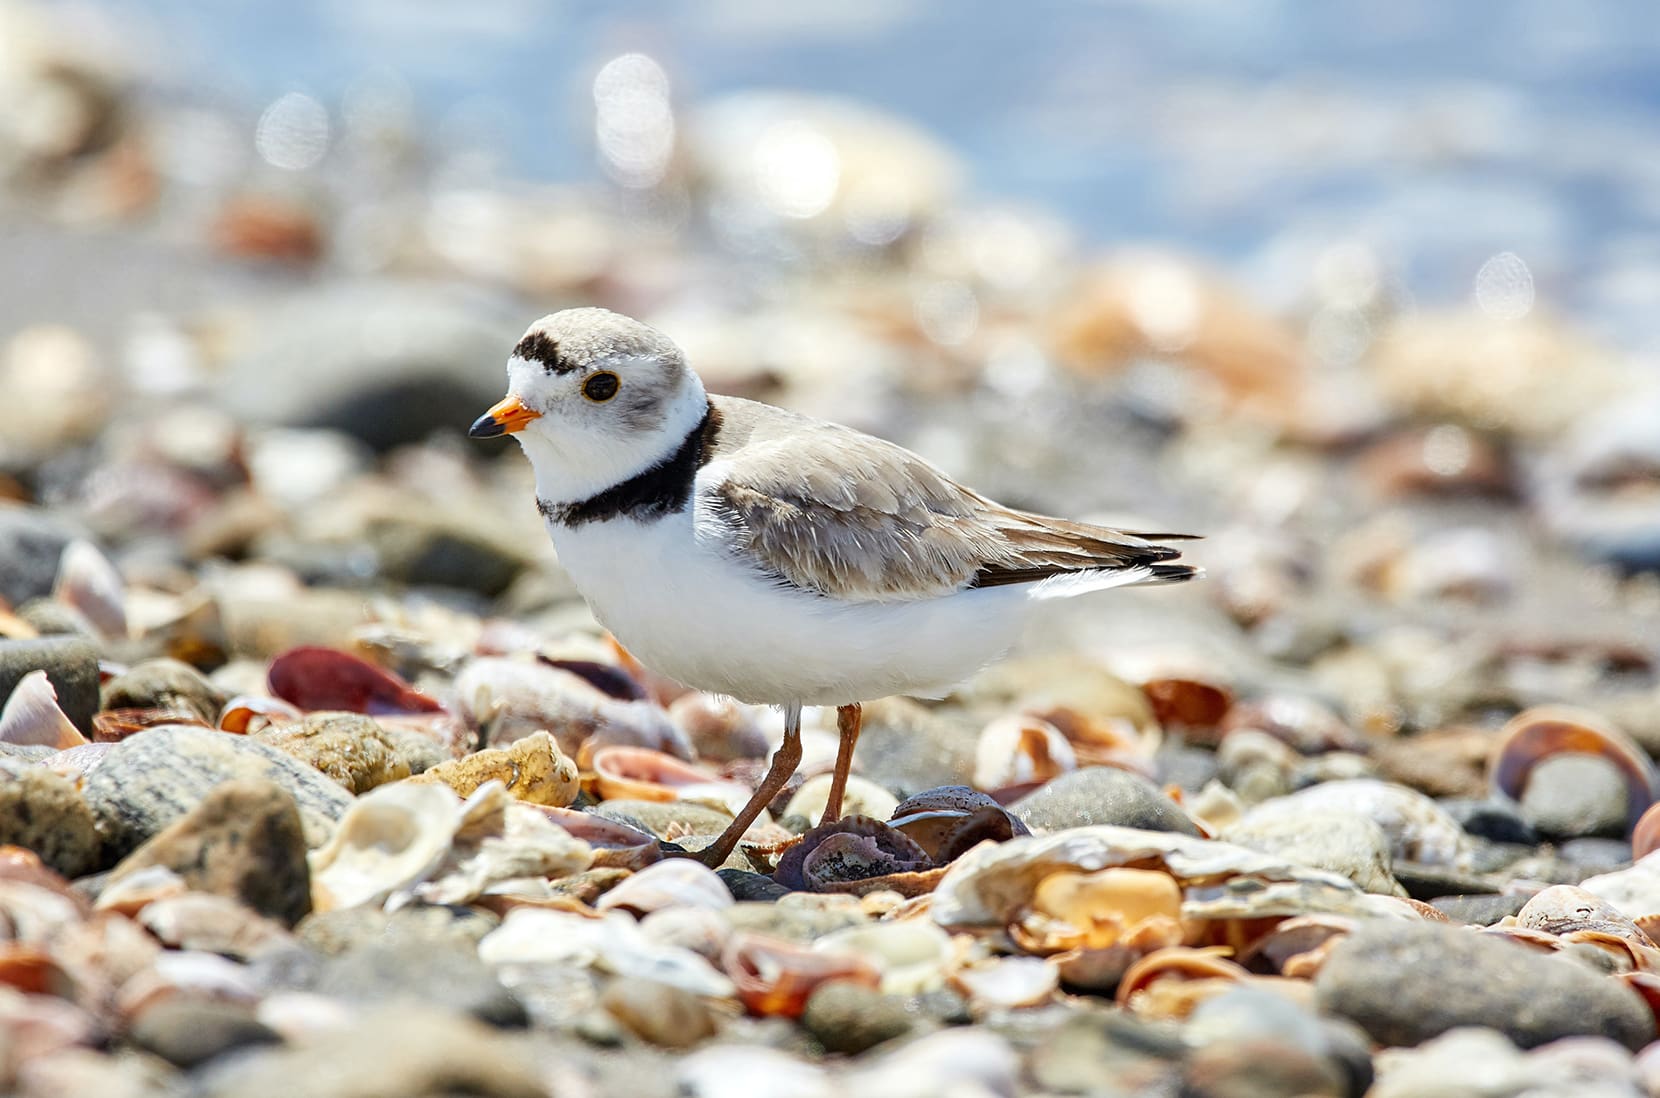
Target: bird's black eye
x=601, y=387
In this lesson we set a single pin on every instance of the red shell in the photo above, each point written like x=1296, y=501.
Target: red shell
x=316, y=678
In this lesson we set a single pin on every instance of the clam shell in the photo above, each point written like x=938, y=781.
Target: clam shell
x=676, y=882
x=1536, y=733
x=89, y=583
x=615, y=845
x=315, y=678
x=1006, y=983
x=637, y=773
x=32, y=716
x=776, y=977
x=1021, y=751
x=391, y=838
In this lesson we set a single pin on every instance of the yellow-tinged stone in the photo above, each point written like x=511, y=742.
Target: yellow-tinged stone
x=533, y=769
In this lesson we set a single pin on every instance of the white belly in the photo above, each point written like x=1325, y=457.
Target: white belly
x=685, y=608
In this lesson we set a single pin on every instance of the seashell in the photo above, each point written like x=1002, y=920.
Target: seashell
x=501, y=847
x=1547, y=730
x=137, y=890
x=32, y=715
x=720, y=729
x=677, y=882
x=1187, y=703
x=987, y=887
x=722, y=1070
x=776, y=977
x=969, y=1061
x=612, y=943
x=1645, y=837
x=315, y=678
x=213, y=924
x=89, y=583
x=854, y=848
x=703, y=930
x=615, y=845
x=1021, y=752
x=392, y=837
x=512, y=698
x=637, y=773
x=115, y=725
x=911, y=954
x=951, y=819
x=532, y=769
x=1418, y=829
x=40, y=1030
x=1007, y=983
x=1563, y=909
x=249, y=713
x=1302, y=722
x=1175, y=963
x=863, y=797
x=1296, y=947
x=75, y=763
x=31, y=969
x=187, y=972
x=1137, y=908
x=609, y=679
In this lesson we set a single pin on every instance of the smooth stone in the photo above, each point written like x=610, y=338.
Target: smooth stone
x=422, y=974
x=1260, y=1068
x=52, y=618
x=661, y=818
x=189, y=1032
x=152, y=778
x=906, y=748
x=405, y=1051
x=1479, y=909
x=1091, y=1052
x=791, y=922
x=1189, y=768
x=244, y=840
x=1427, y=882
x=43, y=812
x=1101, y=795
x=1405, y=982
x=670, y=1017
x=1573, y=795
x=1589, y=856
x=165, y=684
x=31, y=544
x=410, y=929
x=435, y=552
x=1246, y=1015
x=70, y=663
x=1353, y=846
x=350, y=748
x=1495, y=820
x=756, y=887
x=850, y=1018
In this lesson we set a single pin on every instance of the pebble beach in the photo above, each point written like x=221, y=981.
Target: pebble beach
x=319, y=778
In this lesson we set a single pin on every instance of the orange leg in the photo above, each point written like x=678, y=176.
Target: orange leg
x=784, y=762
x=847, y=726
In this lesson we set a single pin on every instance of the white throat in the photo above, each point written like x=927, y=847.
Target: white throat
x=571, y=466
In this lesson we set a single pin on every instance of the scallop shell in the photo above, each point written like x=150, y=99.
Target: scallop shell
x=863, y=798
x=912, y=955
x=776, y=977
x=1007, y=983
x=677, y=882
x=32, y=715
x=391, y=838
x=1019, y=752
x=1537, y=733
x=89, y=583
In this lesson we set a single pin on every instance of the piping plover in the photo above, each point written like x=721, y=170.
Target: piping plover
x=746, y=550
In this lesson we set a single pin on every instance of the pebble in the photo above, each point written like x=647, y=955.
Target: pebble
x=1479, y=909
x=669, y=1017
x=244, y=840
x=403, y=1050
x=425, y=973
x=352, y=749
x=42, y=812
x=165, y=684
x=1496, y=820
x=31, y=543
x=851, y=1018
x=1406, y=982
x=189, y=1032
x=665, y=819
x=426, y=550
x=1351, y=845
x=411, y=929
x=1102, y=795
x=71, y=663
x=150, y=779
x=792, y=921
x=1112, y=1054
x=1573, y=795
x=1260, y=1068
x=912, y=748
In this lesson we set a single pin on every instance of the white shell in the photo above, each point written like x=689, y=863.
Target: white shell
x=972, y=1061
x=32, y=715
x=89, y=583
x=677, y=882
x=502, y=847
x=1003, y=755
x=752, y=1070
x=1004, y=983
x=862, y=797
x=1418, y=829
x=614, y=943
x=912, y=954
x=392, y=837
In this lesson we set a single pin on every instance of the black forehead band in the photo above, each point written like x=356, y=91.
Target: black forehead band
x=537, y=347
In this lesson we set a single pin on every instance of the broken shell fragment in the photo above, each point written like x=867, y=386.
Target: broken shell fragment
x=1022, y=752
x=853, y=849
x=615, y=845
x=32, y=716
x=1535, y=734
x=533, y=769
x=1007, y=983
x=638, y=773
x=89, y=583
x=391, y=838
x=249, y=713
x=776, y=977
x=674, y=883
x=1143, y=989
x=1137, y=908
x=911, y=954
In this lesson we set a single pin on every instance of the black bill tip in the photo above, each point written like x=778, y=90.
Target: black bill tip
x=486, y=426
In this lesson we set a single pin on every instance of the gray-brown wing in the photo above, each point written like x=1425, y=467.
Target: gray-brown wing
x=853, y=517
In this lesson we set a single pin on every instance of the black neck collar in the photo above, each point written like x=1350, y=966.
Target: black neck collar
x=660, y=490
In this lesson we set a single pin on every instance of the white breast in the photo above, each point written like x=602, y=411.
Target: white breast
x=673, y=593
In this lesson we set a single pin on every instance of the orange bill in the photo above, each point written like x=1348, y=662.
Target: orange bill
x=507, y=417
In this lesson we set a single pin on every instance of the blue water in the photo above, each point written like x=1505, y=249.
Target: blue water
x=1256, y=132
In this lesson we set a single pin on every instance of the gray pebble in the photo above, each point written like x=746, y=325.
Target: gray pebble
x=42, y=812
x=165, y=684
x=1101, y=795
x=31, y=543
x=1351, y=845
x=189, y=1032
x=1573, y=795
x=850, y=1018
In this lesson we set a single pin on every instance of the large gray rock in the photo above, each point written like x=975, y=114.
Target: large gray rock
x=1102, y=795
x=153, y=778
x=1351, y=845
x=70, y=663
x=1405, y=982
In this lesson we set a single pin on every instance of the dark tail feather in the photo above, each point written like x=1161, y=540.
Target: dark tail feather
x=1174, y=573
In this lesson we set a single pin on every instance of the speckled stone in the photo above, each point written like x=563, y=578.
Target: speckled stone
x=41, y=811
x=1102, y=795
x=352, y=749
